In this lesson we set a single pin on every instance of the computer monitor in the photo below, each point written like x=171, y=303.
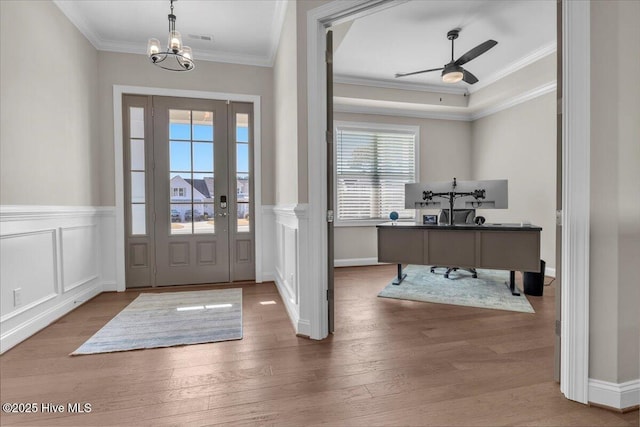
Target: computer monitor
x=496, y=194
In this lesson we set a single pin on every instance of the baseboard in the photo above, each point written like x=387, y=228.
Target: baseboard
x=290, y=306
x=26, y=329
x=620, y=397
x=268, y=277
x=356, y=262
x=109, y=287
x=550, y=272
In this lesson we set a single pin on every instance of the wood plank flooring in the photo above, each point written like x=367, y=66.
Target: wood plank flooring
x=390, y=362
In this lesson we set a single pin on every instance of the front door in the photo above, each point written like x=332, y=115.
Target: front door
x=193, y=191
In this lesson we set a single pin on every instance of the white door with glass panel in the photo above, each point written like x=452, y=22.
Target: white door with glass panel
x=189, y=191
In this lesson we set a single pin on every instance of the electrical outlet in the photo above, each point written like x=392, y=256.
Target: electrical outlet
x=17, y=297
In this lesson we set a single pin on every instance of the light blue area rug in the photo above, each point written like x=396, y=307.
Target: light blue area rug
x=487, y=291
x=171, y=318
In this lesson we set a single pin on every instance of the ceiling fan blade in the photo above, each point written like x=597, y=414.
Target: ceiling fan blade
x=468, y=77
x=418, y=72
x=475, y=52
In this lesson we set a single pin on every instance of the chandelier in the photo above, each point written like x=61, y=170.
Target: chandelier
x=177, y=57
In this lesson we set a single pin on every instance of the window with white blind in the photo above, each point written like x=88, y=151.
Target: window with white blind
x=373, y=163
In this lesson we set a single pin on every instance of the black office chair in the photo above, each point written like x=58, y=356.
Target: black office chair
x=460, y=216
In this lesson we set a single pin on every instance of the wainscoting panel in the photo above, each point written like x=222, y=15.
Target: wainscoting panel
x=29, y=271
x=53, y=258
x=289, y=226
x=79, y=253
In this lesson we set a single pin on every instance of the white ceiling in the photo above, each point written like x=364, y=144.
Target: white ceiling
x=244, y=32
x=410, y=36
x=413, y=36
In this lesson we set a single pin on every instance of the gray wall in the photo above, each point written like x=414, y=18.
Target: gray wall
x=519, y=144
x=615, y=192
x=49, y=141
x=445, y=152
x=135, y=70
x=285, y=90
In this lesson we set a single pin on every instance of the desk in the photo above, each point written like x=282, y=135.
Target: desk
x=492, y=246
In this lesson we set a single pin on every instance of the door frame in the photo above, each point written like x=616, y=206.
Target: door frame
x=118, y=91
x=575, y=176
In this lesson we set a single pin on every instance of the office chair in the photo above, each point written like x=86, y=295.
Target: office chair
x=460, y=216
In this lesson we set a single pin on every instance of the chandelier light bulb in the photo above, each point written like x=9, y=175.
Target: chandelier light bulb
x=175, y=41
x=153, y=47
x=186, y=52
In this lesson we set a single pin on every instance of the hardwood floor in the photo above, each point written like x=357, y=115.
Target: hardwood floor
x=390, y=362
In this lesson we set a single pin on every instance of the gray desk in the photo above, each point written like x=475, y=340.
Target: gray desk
x=493, y=246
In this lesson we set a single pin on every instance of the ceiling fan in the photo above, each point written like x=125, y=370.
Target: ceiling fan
x=453, y=71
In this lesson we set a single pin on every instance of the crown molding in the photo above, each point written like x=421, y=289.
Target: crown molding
x=440, y=115
x=400, y=112
x=512, y=102
x=76, y=19
x=515, y=66
x=276, y=30
x=387, y=84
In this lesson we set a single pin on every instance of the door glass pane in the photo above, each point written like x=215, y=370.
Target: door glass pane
x=243, y=206
x=191, y=171
x=202, y=125
x=137, y=154
x=243, y=219
x=138, y=219
x=203, y=156
x=180, y=124
x=179, y=223
x=242, y=188
x=242, y=127
x=136, y=122
x=137, y=187
x=180, y=156
x=242, y=158
x=242, y=197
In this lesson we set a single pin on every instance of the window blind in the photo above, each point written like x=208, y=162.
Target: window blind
x=371, y=169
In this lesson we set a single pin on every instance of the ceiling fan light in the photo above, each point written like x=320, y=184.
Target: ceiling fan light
x=452, y=77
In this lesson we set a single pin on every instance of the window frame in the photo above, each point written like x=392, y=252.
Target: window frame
x=371, y=127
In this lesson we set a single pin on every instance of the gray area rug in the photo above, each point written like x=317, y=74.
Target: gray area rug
x=169, y=319
x=487, y=291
